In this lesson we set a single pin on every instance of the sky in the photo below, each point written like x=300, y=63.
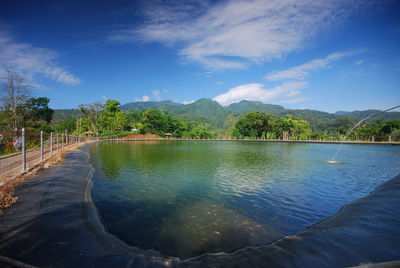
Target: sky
x=333, y=55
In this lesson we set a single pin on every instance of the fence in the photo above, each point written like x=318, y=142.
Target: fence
x=32, y=149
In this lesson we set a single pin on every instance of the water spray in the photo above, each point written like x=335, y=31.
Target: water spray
x=333, y=160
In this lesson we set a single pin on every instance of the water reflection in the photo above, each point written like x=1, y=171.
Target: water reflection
x=186, y=198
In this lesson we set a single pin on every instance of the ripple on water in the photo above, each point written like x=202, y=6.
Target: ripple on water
x=185, y=199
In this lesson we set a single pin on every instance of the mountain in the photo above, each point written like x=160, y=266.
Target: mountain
x=341, y=113
x=218, y=117
x=206, y=111
x=363, y=114
x=143, y=105
x=315, y=118
x=61, y=114
x=245, y=106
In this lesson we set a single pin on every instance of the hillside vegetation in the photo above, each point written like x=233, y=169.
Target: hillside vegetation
x=222, y=121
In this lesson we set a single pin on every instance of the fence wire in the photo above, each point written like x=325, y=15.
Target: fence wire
x=38, y=147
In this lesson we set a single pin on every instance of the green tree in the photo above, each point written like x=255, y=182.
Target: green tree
x=395, y=135
x=199, y=132
x=38, y=109
x=339, y=125
x=91, y=112
x=391, y=125
x=180, y=126
x=156, y=122
x=134, y=117
x=112, y=119
x=68, y=124
x=363, y=132
x=83, y=125
x=254, y=124
x=297, y=128
x=37, y=114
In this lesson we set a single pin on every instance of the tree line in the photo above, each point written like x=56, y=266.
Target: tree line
x=259, y=124
x=20, y=110
x=109, y=120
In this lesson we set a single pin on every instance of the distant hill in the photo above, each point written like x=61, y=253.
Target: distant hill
x=363, y=114
x=143, y=105
x=205, y=111
x=61, y=114
x=315, y=118
x=247, y=106
x=218, y=117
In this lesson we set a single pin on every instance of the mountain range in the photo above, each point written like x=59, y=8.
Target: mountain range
x=216, y=116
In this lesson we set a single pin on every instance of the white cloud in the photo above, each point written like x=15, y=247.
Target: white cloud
x=144, y=99
x=289, y=90
x=186, y=102
x=32, y=61
x=206, y=74
x=155, y=96
x=295, y=100
x=359, y=62
x=258, y=92
x=302, y=71
x=230, y=34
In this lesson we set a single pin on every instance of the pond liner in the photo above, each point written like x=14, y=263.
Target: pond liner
x=55, y=224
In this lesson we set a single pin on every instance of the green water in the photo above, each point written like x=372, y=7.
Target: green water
x=186, y=198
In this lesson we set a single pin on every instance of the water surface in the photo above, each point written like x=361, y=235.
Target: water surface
x=185, y=198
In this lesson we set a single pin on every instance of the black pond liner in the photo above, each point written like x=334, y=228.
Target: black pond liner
x=55, y=224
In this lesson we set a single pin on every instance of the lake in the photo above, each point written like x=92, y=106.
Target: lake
x=185, y=198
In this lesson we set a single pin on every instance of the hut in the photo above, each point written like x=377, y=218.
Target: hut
x=168, y=136
x=88, y=133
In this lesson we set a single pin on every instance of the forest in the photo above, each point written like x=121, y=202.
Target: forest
x=202, y=119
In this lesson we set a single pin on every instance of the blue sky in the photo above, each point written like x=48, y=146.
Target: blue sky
x=325, y=55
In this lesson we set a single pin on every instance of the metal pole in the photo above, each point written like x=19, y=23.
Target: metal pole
x=41, y=146
x=23, y=144
x=66, y=137
x=51, y=143
x=62, y=141
x=57, y=143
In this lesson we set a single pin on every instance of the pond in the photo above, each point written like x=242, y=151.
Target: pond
x=185, y=198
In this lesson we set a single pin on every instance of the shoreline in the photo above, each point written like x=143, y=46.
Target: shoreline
x=268, y=141
x=55, y=223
